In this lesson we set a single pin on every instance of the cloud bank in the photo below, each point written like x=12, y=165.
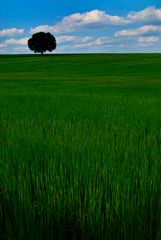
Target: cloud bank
x=95, y=19
x=11, y=32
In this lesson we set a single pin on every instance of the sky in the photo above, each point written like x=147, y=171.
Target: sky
x=86, y=26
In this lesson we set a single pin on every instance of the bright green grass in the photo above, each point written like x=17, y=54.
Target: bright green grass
x=80, y=147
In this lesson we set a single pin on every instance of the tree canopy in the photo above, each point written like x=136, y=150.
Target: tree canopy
x=42, y=42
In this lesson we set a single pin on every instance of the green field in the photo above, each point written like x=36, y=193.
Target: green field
x=80, y=147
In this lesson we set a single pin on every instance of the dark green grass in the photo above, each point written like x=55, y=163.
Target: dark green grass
x=80, y=147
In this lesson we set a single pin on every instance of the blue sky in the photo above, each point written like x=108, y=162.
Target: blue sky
x=82, y=26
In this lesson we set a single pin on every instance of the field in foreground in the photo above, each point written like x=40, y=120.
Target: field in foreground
x=80, y=147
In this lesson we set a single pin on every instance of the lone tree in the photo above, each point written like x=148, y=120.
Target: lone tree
x=42, y=42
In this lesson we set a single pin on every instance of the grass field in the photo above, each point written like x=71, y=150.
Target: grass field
x=80, y=147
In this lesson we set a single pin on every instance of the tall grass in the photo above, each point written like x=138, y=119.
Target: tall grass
x=80, y=154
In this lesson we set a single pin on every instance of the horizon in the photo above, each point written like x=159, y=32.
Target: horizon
x=117, y=27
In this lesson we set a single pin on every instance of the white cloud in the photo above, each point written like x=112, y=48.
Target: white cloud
x=12, y=45
x=147, y=14
x=85, y=42
x=104, y=41
x=95, y=19
x=73, y=39
x=151, y=39
x=42, y=28
x=138, y=31
x=11, y=32
x=88, y=20
x=12, y=41
x=2, y=45
x=63, y=39
x=90, y=43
